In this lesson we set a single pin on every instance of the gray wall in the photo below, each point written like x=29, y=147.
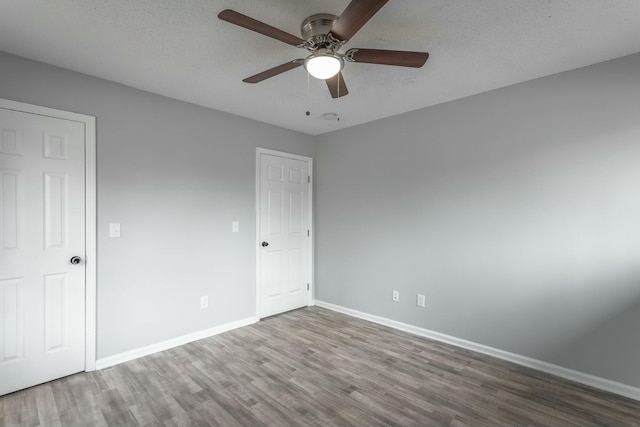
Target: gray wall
x=516, y=212
x=175, y=176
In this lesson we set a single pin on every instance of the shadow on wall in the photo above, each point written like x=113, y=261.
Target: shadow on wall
x=539, y=249
x=601, y=342
x=515, y=212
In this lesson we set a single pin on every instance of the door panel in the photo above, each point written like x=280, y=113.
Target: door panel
x=273, y=260
x=296, y=278
x=11, y=322
x=42, y=296
x=296, y=211
x=274, y=212
x=11, y=142
x=55, y=215
x=55, y=289
x=11, y=195
x=284, y=224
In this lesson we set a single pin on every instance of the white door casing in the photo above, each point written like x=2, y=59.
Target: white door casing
x=284, y=241
x=47, y=216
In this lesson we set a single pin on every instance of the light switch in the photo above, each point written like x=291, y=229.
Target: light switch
x=235, y=226
x=114, y=229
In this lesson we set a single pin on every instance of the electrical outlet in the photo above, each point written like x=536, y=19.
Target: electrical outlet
x=114, y=229
x=204, y=302
x=396, y=296
x=421, y=300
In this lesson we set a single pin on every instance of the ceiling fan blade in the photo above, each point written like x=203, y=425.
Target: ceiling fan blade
x=274, y=71
x=354, y=17
x=401, y=58
x=259, y=27
x=336, y=86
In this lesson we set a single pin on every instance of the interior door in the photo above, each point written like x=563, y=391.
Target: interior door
x=42, y=227
x=284, y=234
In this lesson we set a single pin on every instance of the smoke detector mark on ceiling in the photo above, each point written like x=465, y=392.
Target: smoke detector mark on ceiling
x=331, y=116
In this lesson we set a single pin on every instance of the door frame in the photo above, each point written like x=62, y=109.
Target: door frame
x=89, y=123
x=309, y=161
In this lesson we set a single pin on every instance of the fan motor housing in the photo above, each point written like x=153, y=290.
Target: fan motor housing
x=319, y=24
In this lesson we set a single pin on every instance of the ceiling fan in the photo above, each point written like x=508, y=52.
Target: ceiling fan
x=323, y=35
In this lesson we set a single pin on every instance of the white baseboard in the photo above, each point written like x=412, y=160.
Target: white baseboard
x=569, y=374
x=174, y=342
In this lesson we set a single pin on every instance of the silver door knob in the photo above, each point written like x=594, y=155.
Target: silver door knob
x=75, y=260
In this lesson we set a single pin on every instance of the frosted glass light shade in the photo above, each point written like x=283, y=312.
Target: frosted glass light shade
x=323, y=66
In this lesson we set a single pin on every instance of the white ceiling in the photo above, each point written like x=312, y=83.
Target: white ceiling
x=182, y=50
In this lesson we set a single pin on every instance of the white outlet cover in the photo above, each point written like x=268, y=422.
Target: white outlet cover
x=204, y=302
x=114, y=229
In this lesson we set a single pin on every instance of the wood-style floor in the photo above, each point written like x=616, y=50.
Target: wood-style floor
x=315, y=367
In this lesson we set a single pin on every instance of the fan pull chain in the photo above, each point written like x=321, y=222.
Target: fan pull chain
x=338, y=109
x=308, y=113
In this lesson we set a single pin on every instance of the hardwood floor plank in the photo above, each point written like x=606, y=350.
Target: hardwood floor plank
x=314, y=367
x=16, y=407
x=115, y=410
x=29, y=410
x=48, y=413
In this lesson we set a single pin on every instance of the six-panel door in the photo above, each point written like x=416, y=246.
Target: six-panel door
x=42, y=225
x=284, y=224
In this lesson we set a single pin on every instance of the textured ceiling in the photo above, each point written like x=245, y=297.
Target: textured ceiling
x=182, y=50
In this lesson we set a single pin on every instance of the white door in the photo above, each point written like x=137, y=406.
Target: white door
x=284, y=233
x=42, y=226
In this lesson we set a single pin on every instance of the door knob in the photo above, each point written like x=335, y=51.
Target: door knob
x=75, y=260
x=265, y=244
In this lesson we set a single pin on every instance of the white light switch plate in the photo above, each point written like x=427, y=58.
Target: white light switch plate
x=114, y=229
x=235, y=226
x=421, y=300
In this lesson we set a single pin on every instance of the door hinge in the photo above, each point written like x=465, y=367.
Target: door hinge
x=309, y=179
x=307, y=286
x=308, y=233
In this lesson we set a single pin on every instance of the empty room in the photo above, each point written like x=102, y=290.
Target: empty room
x=313, y=213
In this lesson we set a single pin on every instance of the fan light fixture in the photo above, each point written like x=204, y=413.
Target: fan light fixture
x=323, y=36
x=323, y=65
